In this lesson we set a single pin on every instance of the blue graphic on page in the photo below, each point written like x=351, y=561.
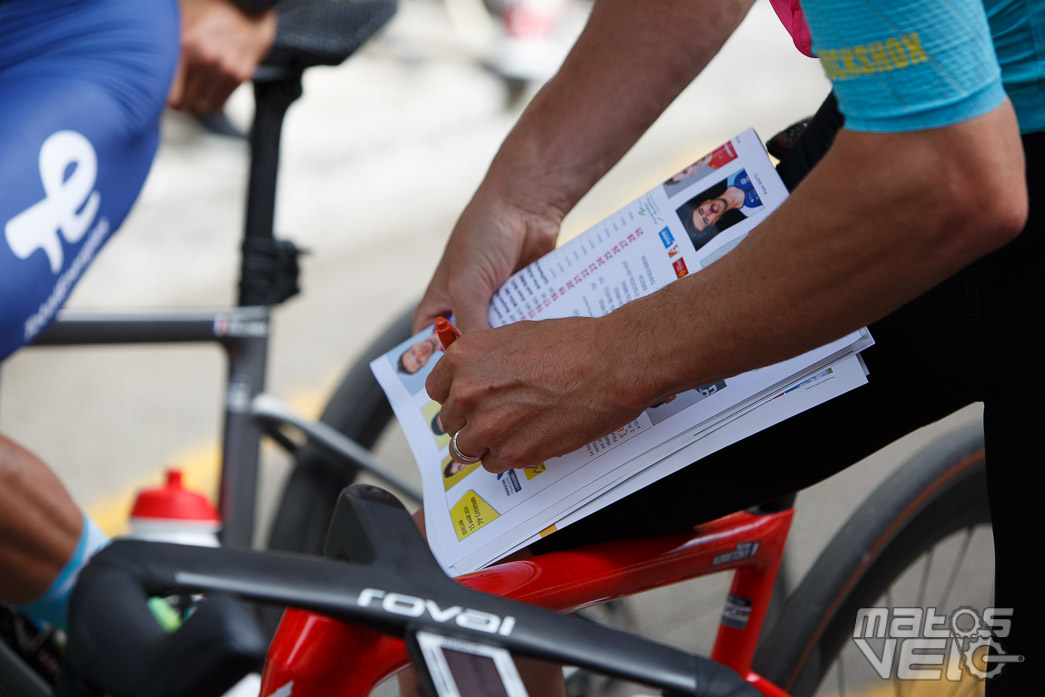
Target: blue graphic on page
x=666, y=238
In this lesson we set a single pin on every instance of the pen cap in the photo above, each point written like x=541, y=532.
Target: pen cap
x=446, y=331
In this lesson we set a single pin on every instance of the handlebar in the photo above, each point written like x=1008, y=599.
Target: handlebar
x=383, y=576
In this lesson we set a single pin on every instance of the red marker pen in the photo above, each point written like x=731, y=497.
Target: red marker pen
x=447, y=331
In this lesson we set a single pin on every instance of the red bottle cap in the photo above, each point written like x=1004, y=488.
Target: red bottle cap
x=174, y=502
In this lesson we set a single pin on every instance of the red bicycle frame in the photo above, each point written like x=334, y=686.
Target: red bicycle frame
x=322, y=656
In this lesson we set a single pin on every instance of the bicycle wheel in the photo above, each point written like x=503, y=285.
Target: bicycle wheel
x=920, y=540
x=360, y=411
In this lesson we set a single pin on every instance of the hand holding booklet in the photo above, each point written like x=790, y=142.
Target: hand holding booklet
x=683, y=225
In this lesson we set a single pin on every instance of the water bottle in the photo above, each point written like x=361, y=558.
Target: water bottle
x=172, y=513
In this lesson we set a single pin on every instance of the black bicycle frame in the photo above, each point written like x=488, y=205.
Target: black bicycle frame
x=268, y=276
x=243, y=333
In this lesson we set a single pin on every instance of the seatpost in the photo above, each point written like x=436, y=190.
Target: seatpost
x=268, y=276
x=275, y=89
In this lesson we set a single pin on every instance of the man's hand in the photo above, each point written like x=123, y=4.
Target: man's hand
x=570, y=134
x=221, y=46
x=491, y=241
x=529, y=391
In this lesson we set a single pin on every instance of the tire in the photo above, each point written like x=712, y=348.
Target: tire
x=360, y=411
x=929, y=510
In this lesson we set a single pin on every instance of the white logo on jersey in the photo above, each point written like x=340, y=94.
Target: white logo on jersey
x=69, y=205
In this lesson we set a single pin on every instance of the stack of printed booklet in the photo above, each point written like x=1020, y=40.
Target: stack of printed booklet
x=686, y=223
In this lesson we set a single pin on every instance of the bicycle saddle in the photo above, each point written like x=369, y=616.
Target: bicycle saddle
x=324, y=32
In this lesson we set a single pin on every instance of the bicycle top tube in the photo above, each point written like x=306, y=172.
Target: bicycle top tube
x=384, y=579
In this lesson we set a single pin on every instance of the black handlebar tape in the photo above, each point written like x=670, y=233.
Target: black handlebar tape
x=117, y=647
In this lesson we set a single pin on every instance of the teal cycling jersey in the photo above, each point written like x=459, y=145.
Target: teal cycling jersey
x=900, y=65
x=1018, y=31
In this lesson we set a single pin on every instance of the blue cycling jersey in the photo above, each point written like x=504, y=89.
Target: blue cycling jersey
x=900, y=65
x=82, y=84
x=743, y=182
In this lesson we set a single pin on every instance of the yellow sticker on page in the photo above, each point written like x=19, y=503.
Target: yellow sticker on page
x=532, y=472
x=453, y=472
x=470, y=514
x=430, y=412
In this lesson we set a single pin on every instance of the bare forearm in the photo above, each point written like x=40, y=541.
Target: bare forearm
x=880, y=221
x=39, y=524
x=631, y=61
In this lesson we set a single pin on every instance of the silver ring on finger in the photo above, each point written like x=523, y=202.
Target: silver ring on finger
x=457, y=451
